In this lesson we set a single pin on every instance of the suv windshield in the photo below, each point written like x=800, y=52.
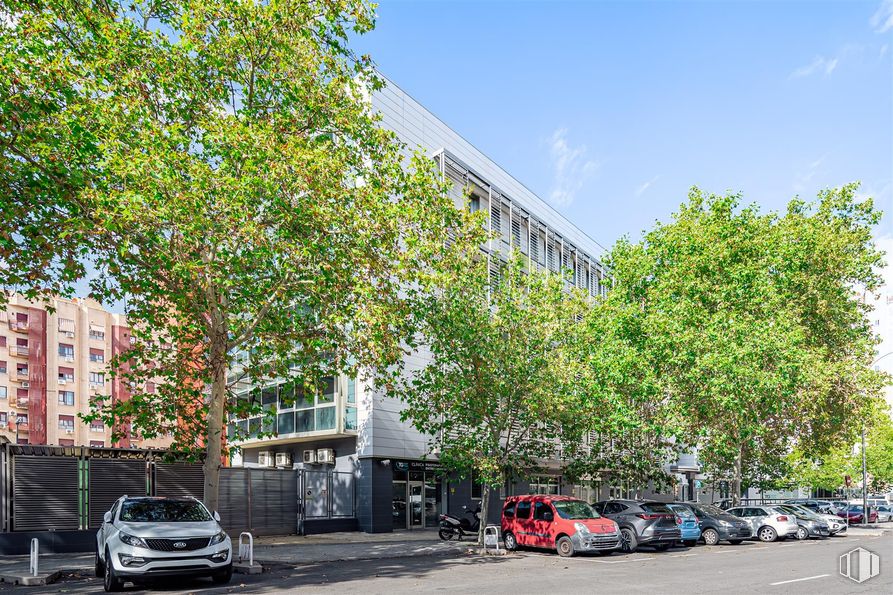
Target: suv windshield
x=164, y=511
x=574, y=509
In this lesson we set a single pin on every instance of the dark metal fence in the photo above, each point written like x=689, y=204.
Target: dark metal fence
x=70, y=488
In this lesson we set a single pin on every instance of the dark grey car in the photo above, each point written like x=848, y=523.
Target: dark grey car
x=642, y=523
x=718, y=525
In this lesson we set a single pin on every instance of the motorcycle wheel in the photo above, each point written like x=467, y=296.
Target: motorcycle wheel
x=446, y=534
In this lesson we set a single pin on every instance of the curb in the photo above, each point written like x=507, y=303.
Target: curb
x=29, y=580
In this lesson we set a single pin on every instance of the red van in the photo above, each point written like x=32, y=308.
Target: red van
x=561, y=523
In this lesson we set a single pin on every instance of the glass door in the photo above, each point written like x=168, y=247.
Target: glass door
x=398, y=504
x=416, y=504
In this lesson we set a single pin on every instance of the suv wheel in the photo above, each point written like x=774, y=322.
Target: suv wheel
x=511, y=544
x=110, y=581
x=767, y=534
x=565, y=547
x=99, y=569
x=628, y=541
x=224, y=576
x=711, y=537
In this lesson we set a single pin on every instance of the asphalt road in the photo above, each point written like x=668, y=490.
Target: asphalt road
x=789, y=567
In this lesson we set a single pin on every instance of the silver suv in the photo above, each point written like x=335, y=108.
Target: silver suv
x=144, y=538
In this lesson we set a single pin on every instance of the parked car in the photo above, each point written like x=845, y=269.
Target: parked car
x=642, y=523
x=145, y=538
x=809, y=523
x=768, y=523
x=561, y=523
x=855, y=513
x=884, y=513
x=717, y=525
x=812, y=504
x=690, y=528
x=836, y=525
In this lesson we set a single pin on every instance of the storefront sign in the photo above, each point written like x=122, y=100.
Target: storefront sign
x=416, y=466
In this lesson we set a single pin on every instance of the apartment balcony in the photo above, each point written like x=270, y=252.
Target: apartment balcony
x=66, y=357
x=19, y=350
x=21, y=376
x=19, y=326
x=22, y=427
x=22, y=402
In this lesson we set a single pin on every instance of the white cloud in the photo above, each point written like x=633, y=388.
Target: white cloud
x=819, y=64
x=570, y=168
x=643, y=187
x=882, y=20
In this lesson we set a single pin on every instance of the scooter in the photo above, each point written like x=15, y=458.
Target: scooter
x=451, y=526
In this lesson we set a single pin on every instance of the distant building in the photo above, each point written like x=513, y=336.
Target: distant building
x=52, y=364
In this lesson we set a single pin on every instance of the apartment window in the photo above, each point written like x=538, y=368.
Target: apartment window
x=66, y=397
x=3, y=393
x=2, y=367
x=66, y=375
x=66, y=422
x=3, y=419
x=350, y=418
x=2, y=341
x=544, y=485
x=97, y=444
x=66, y=351
x=66, y=442
x=66, y=325
x=22, y=369
x=97, y=332
x=325, y=418
x=97, y=355
x=474, y=204
x=97, y=379
x=21, y=419
x=97, y=426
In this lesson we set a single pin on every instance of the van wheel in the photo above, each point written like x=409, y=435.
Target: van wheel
x=565, y=547
x=511, y=544
x=628, y=541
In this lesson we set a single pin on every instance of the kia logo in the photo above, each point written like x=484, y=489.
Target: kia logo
x=179, y=544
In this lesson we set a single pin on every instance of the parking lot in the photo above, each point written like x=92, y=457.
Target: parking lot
x=784, y=567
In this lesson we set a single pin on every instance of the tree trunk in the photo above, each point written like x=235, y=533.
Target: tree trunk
x=485, y=504
x=735, y=487
x=214, y=436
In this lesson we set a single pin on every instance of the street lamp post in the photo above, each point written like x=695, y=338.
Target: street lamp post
x=18, y=423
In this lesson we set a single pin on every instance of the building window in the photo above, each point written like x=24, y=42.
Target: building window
x=325, y=418
x=66, y=351
x=22, y=369
x=3, y=418
x=97, y=332
x=2, y=367
x=97, y=355
x=351, y=390
x=66, y=375
x=545, y=484
x=97, y=426
x=350, y=418
x=474, y=204
x=66, y=422
x=97, y=379
x=22, y=419
x=66, y=397
x=66, y=442
x=2, y=341
x=3, y=393
x=286, y=423
x=475, y=487
x=97, y=444
x=66, y=326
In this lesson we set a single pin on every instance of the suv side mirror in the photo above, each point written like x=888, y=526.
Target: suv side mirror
x=107, y=517
x=548, y=517
x=216, y=516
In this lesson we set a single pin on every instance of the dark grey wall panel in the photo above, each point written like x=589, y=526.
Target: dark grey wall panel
x=45, y=491
x=179, y=480
x=234, y=499
x=109, y=480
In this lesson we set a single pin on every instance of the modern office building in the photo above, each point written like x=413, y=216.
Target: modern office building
x=52, y=364
x=349, y=426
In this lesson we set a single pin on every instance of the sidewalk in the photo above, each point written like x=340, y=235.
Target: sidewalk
x=287, y=549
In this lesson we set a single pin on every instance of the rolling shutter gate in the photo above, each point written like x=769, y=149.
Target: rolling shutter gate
x=46, y=493
x=109, y=480
x=179, y=480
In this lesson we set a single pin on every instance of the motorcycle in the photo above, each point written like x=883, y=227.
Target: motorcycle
x=451, y=526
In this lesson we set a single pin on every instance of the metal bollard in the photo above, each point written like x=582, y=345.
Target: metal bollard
x=34, y=556
x=246, y=550
x=491, y=537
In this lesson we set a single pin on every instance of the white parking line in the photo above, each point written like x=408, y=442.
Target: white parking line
x=682, y=555
x=723, y=551
x=797, y=580
x=622, y=561
x=788, y=545
x=760, y=547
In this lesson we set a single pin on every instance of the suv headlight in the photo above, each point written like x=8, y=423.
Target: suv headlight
x=219, y=538
x=132, y=540
x=581, y=528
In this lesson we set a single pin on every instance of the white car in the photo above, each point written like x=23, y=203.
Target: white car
x=767, y=522
x=143, y=538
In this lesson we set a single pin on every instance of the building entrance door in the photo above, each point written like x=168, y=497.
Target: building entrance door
x=416, y=504
x=398, y=505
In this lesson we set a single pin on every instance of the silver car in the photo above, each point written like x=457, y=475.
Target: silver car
x=836, y=525
x=884, y=513
x=144, y=538
x=809, y=523
x=768, y=523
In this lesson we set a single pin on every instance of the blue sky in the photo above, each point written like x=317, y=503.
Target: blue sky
x=612, y=110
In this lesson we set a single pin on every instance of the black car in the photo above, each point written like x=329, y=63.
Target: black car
x=642, y=523
x=718, y=525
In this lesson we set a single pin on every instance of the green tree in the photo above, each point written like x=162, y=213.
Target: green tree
x=217, y=165
x=751, y=324
x=498, y=396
